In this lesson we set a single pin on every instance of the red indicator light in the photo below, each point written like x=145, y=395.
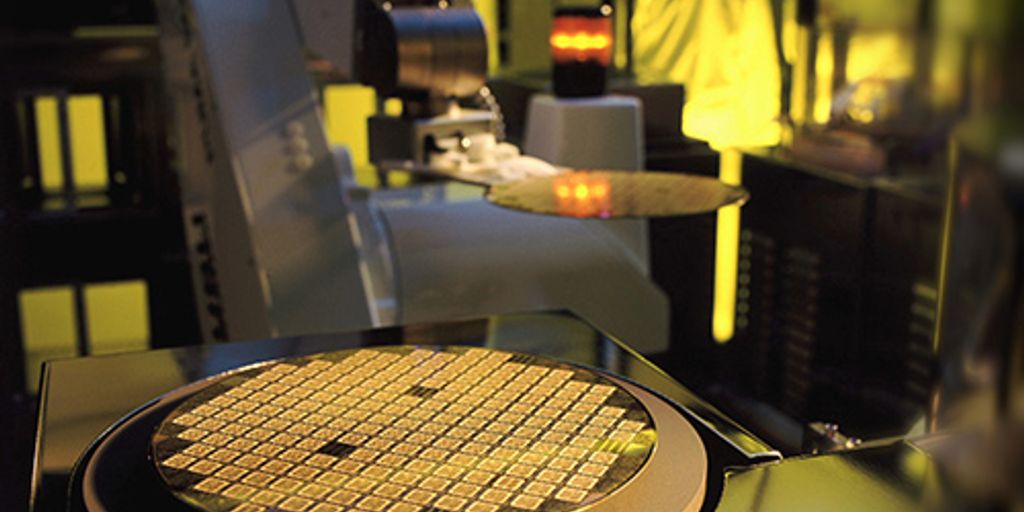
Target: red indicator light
x=582, y=39
x=583, y=195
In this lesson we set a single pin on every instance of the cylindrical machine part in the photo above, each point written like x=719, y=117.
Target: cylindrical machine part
x=442, y=51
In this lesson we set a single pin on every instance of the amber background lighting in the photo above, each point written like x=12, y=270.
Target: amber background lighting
x=583, y=196
x=582, y=39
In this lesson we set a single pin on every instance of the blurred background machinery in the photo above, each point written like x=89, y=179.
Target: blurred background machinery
x=93, y=257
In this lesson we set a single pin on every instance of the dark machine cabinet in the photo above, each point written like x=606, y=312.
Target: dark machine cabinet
x=130, y=230
x=835, y=301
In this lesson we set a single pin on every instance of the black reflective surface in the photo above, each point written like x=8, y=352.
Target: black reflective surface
x=884, y=478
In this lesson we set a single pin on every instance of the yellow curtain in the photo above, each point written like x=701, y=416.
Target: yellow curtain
x=724, y=52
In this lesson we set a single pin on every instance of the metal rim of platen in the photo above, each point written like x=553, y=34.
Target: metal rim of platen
x=428, y=429
x=617, y=194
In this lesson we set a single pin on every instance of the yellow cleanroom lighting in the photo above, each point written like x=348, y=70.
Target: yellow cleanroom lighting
x=488, y=10
x=563, y=191
x=727, y=240
x=51, y=160
x=49, y=328
x=725, y=53
x=88, y=142
x=346, y=108
x=582, y=191
x=117, y=316
x=823, y=69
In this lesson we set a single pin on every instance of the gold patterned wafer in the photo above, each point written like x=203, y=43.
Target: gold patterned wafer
x=405, y=428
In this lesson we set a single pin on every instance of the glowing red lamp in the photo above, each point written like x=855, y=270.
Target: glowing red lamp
x=581, y=50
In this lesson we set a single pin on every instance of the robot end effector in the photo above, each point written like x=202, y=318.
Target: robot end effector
x=422, y=55
x=425, y=55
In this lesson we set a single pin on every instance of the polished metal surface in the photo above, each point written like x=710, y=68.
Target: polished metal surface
x=894, y=477
x=443, y=51
x=611, y=194
x=638, y=369
x=676, y=475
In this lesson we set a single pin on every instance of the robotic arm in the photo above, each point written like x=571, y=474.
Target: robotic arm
x=281, y=247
